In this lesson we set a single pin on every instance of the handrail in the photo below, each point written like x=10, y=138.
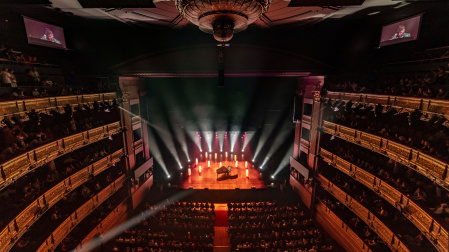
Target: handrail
x=105, y=224
x=16, y=228
x=22, y=164
x=354, y=238
x=82, y=212
x=435, y=106
x=364, y=214
x=21, y=106
x=425, y=164
x=421, y=219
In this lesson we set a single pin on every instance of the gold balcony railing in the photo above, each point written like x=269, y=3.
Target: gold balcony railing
x=343, y=228
x=433, y=106
x=364, y=214
x=106, y=224
x=76, y=217
x=22, y=106
x=437, y=234
x=427, y=165
x=16, y=228
x=22, y=164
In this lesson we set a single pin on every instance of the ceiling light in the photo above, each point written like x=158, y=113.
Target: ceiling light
x=222, y=17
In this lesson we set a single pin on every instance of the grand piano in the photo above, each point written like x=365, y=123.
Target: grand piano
x=223, y=169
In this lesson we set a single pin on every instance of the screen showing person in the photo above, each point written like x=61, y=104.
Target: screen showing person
x=402, y=31
x=49, y=36
x=40, y=33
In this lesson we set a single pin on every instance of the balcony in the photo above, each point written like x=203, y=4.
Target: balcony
x=427, y=165
x=432, y=106
x=24, y=163
x=77, y=216
x=347, y=237
x=20, y=107
x=17, y=227
x=364, y=214
x=419, y=217
x=106, y=224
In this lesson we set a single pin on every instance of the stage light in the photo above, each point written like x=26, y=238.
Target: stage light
x=247, y=173
x=190, y=172
x=253, y=160
x=168, y=176
x=208, y=163
x=272, y=176
x=226, y=155
x=200, y=168
x=196, y=161
x=189, y=160
x=220, y=164
x=236, y=163
x=235, y=157
x=246, y=164
x=215, y=156
x=180, y=167
x=206, y=154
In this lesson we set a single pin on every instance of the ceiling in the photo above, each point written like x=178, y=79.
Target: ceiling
x=279, y=13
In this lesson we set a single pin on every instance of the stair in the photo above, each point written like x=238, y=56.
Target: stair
x=222, y=242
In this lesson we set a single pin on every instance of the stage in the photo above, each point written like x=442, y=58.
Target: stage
x=208, y=177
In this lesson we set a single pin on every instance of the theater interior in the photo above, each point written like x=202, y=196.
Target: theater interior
x=224, y=125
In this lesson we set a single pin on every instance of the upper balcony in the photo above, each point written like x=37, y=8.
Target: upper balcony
x=427, y=165
x=428, y=105
x=20, y=108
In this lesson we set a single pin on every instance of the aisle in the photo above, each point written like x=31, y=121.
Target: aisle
x=221, y=237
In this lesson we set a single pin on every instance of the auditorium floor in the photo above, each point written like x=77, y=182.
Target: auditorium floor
x=208, y=177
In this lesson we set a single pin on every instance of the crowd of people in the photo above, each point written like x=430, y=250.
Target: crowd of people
x=387, y=213
x=426, y=85
x=28, y=188
x=18, y=136
x=72, y=240
x=9, y=54
x=375, y=243
x=52, y=218
x=434, y=199
x=180, y=226
x=267, y=226
x=430, y=136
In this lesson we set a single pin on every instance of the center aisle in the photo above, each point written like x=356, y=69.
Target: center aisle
x=222, y=242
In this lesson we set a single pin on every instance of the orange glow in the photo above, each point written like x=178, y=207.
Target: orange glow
x=196, y=161
x=208, y=163
x=190, y=172
x=236, y=163
x=200, y=169
x=246, y=164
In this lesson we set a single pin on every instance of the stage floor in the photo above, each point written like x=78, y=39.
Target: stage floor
x=208, y=177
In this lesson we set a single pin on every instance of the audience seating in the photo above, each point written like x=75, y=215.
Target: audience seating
x=269, y=226
x=181, y=226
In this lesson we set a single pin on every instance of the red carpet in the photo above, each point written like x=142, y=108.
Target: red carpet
x=221, y=218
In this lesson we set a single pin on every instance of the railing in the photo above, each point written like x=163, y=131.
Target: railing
x=364, y=214
x=343, y=228
x=82, y=212
x=16, y=228
x=420, y=218
x=434, y=106
x=22, y=106
x=427, y=165
x=105, y=224
x=22, y=164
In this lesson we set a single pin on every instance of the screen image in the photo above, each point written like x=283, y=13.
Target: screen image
x=402, y=31
x=40, y=33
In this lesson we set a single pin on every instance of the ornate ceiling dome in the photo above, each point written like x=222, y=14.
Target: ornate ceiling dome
x=222, y=17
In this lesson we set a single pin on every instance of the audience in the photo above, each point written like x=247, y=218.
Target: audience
x=428, y=135
x=181, y=226
x=55, y=216
x=267, y=226
x=18, y=136
x=417, y=187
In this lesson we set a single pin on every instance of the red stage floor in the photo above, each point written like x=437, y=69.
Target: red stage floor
x=208, y=177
